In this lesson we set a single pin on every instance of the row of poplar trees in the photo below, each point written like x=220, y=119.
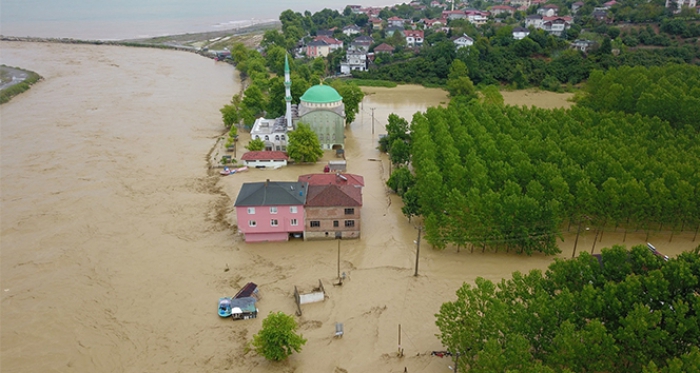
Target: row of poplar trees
x=486, y=175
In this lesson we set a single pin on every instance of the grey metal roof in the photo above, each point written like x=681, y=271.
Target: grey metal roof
x=272, y=193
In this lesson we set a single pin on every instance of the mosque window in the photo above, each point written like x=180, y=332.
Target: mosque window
x=267, y=138
x=282, y=137
x=277, y=137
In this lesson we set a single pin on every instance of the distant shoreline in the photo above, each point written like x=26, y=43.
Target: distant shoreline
x=174, y=42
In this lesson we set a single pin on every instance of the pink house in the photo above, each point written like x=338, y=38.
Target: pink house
x=271, y=210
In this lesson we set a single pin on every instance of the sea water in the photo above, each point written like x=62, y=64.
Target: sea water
x=131, y=19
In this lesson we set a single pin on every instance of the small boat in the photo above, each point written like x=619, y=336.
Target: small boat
x=228, y=171
x=225, y=307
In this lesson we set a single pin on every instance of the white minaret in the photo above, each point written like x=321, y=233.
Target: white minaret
x=288, y=94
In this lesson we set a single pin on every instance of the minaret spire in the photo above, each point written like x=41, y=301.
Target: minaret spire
x=288, y=93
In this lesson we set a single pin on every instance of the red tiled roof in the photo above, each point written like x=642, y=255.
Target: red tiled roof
x=332, y=179
x=328, y=40
x=383, y=47
x=412, y=33
x=333, y=196
x=264, y=155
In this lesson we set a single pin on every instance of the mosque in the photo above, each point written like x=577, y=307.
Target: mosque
x=321, y=107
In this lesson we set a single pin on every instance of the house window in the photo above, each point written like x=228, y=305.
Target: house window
x=335, y=224
x=293, y=209
x=349, y=223
x=315, y=224
x=350, y=211
x=273, y=210
x=274, y=223
x=282, y=137
x=252, y=223
x=294, y=222
x=251, y=210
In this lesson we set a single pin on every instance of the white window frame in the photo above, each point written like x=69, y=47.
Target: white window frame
x=273, y=210
x=274, y=223
x=293, y=209
x=294, y=222
x=252, y=223
x=251, y=210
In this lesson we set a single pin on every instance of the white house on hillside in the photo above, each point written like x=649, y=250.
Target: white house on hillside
x=462, y=41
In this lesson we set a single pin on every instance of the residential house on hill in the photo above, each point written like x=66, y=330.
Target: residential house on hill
x=271, y=210
x=453, y=14
x=502, y=9
x=333, y=206
x=462, y=41
x=265, y=159
x=556, y=25
x=351, y=30
x=520, y=33
x=434, y=23
x=520, y=3
x=396, y=21
x=553, y=25
x=534, y=20
x=548, y=10
x=377, y=24
x=576, y=6
x=437, y=4
x=322, y=46
x=414, y=38
x=477, y=17
x=384, y=48
x=356, y=55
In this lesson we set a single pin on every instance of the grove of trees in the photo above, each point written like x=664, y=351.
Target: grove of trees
x=626, y=311
x=503, y=177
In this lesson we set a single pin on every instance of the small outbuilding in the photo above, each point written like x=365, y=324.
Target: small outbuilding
x=265, y=159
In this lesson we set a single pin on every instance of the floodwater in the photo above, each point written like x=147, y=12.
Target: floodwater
x=117, y=239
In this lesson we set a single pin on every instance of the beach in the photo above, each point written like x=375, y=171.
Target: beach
x=117, y=238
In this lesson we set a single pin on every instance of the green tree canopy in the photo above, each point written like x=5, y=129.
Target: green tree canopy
x=278, y=338
x=628, y=311
x=352, y=97
x=304, y=145
x=255, y=145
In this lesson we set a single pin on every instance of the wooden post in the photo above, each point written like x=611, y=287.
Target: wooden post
x=418, y=250
x=578, y=232
x=399, y=350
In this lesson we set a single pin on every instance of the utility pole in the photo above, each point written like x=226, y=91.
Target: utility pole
x=373, y=119
x=418, y=250
x=340, y=280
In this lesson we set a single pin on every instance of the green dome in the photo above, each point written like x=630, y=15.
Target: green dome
x=321, y=94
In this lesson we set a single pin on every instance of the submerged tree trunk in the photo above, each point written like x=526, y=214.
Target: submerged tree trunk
x=595, y=240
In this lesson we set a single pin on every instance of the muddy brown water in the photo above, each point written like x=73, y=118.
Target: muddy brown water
x=117, y=240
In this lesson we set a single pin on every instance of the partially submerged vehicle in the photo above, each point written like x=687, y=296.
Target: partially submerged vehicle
x=225, y=307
